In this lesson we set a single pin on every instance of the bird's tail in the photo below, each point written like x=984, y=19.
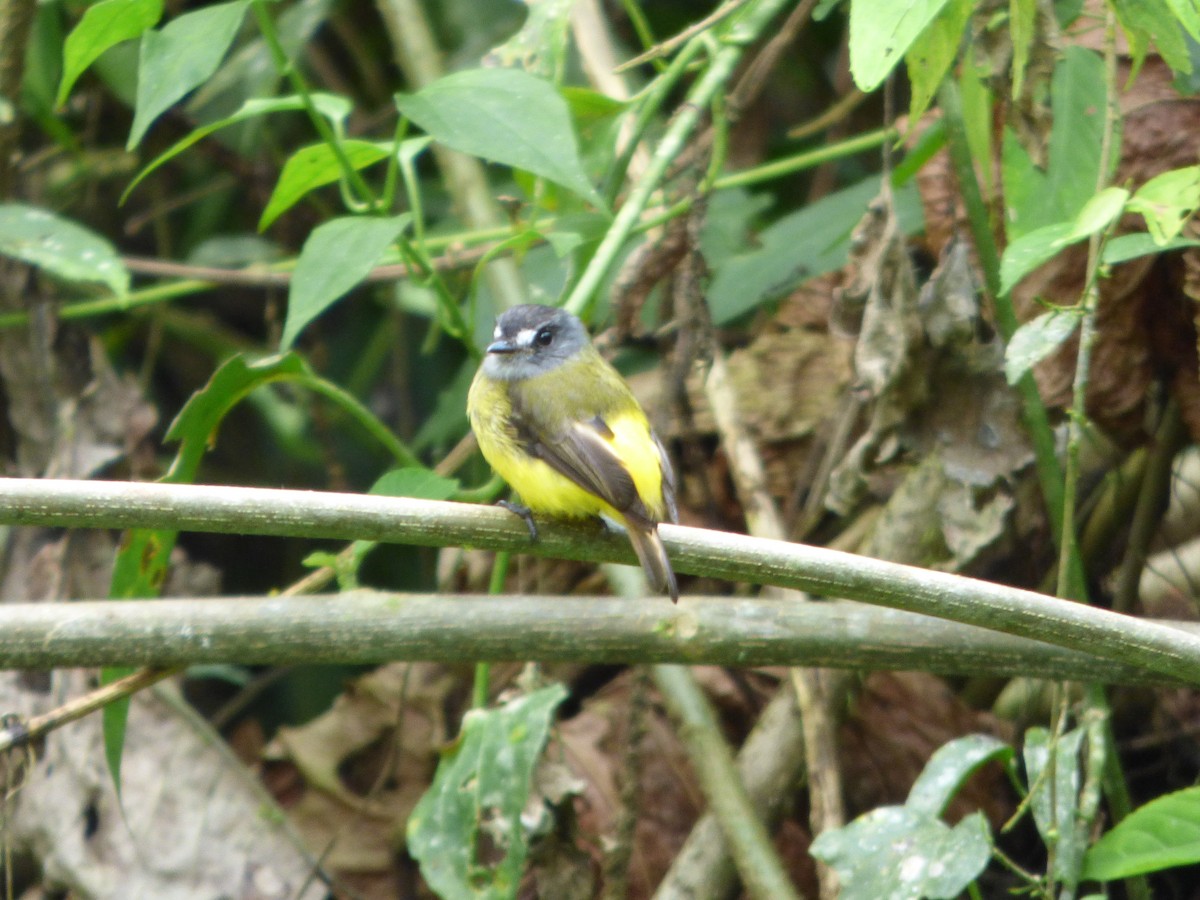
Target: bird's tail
x=653, y=557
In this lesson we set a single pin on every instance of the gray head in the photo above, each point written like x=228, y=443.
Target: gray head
x=532, y=340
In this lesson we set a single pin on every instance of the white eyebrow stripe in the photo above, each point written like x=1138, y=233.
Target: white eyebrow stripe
x=497, y=333
x=525, y=337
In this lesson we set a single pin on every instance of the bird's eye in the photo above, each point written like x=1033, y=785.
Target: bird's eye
x=544, y=337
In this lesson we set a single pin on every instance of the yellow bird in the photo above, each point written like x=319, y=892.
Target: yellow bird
x=561, y=426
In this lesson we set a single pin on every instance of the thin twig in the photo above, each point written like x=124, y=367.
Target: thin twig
x=835, y=115
x=35, y=729
x=758, y=864
x=664, y=48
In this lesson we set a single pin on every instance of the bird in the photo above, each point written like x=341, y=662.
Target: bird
x=559, y=424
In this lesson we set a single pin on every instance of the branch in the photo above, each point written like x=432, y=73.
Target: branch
x=1137, y=643
x=368, y=627
x=762, y=873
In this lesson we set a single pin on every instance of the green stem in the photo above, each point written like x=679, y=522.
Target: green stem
x=266, y=26
x=647, y=109
x=481, y=689
x=361, y=414
x=806, y=160
x=740, y=33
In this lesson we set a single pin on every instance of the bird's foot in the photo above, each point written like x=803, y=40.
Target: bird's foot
x=524, y=513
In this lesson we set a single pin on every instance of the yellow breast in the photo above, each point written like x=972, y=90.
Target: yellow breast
x=545, y=490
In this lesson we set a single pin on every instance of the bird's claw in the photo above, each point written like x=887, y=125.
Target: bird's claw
x=524, y=513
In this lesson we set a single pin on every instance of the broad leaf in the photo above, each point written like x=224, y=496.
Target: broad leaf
x=1029, y=251
x=800, y=246
x=1151, y=20
x=1131, y=246
x=414, y=481
x=140, y=568
x=103, y=25
x=336, y=257
x=1097, y=214
x=949, y=767
x=902, y=854
x=1053, y=773
x=1036, y=197
x=506, y=116
x=1187, y=12
x=931, y=54
x=1037, y=339
x=1160, y=835
x=61, y=247
x=467, y=830
x=313, y=167
x=881, y=32
x=1167, y=201
x=334, y=108
x=179, y=58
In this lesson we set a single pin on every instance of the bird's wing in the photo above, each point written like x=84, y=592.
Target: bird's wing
x=583, y=452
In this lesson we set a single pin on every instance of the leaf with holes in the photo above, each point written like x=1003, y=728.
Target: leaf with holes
x=467, y=830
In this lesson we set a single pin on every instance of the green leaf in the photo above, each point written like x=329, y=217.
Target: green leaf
x=336, y=257
x=1167, y=201
x=140, y=567
x=1152, y=20
x=979, y=123
x=1029, y=251
x=413, y=481
x=1033, y=248
x=334, y=108
x=61, y=247
x=1052, y=767
x=1036, y=198
x=179, y=58
x=1022, y=18
x=933, y=51
x=471, y=814
x=800, y=246
x=314, y=166
x=1037, y=339
x=881, y=32
x=902, y=854
x=1097, y=214
x=950, y=766
x=103, y=25
x=534, y=48
x=1160, y=835
x=1131, y=246
x=1187, y=13
x=506, y=116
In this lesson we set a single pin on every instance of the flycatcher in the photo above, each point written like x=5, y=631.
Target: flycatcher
x=561, y=426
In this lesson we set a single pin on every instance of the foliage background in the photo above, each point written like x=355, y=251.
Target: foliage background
x=256, y=178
